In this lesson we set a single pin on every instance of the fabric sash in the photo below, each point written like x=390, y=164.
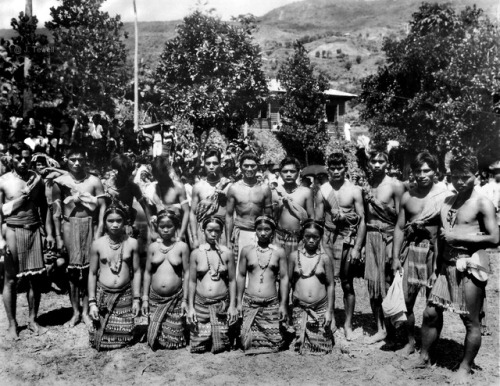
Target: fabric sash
x=165, y=304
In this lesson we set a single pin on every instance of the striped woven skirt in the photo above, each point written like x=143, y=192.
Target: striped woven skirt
x=308, y=319
x=29, y=250
x=417, y=266
x=378, y=250
x=81, y=236
x=260, y=331
x=211, y=331
x=166, y=325
x=288, y=240
x=116, y=321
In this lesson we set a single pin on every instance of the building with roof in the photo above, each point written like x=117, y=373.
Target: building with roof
x=269, y=116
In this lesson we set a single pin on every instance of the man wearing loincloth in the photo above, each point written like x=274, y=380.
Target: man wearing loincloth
x=415, y=246
x=258, y=302
x=468, y=225
x=247, y=199
x=209, y=198
x=165, y=285
x=295, y=206
x=23, y=206
x=166, y=192
x=114, y=284
x=78, y=210
x=382, y=196
x=340, y=204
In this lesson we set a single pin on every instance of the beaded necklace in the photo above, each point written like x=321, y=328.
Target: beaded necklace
x=214, y=274
x=313, y=271
x=114, y=264
x=263, y=267
x=167, y=249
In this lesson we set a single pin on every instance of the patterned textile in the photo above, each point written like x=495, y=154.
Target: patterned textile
x=29, y=249
x=417, y=265
x=210, y=205
x=166, y=326
x=378, y=250
x=116, y=321
x=260, y=331
x=211, y=332
x=311, y=336
x=81, y=234
x=339, y=246
x=243, y=235
x=288, y=240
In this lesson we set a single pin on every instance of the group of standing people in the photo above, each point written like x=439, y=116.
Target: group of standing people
x=247, y=264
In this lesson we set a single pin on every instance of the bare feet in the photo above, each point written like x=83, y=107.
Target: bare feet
x=461, y=377
x=420, y=363
x=36, y=329
x=407, y=350
x=73, y=321
x=378, y=337
x=87, y=320
x=12, y=333
x=349, y=334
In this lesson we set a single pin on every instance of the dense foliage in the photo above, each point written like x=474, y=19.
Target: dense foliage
x=437, y=89
x=304, y=132
x=210, y=74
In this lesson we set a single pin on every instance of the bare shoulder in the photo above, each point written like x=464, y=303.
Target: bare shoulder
x=133, y=243
x=153, y=247
x=182, y=246
x=279, y=251
x=293, y=256
x=397, y=185
x=100, y=242
x=484, y=204
x=246, y=249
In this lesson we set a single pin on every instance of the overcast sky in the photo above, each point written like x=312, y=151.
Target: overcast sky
x=147, y=10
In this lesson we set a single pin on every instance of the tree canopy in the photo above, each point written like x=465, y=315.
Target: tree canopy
x=437, y=90
x=89, y=63
x=304, y=131
x=210, y=74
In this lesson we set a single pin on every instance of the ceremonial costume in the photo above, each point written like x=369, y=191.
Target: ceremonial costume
x=211, y=332
x=116, y=320
x=260, y=331
x=166, y=326
x=417, y=251
x=308, y=319
x=341, y=226
x=378, y=246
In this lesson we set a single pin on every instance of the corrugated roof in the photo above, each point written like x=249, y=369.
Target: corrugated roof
x=275, y=86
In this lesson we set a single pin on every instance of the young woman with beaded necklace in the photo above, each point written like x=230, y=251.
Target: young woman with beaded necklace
x=212, y=291
x=313, y=293
x=262, y=307
x=114, y=284
x=166, y=284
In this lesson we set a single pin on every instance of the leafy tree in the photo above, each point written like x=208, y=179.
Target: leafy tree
x=304, y=131
x=89, y=68
x=436, y=90
x=210, y=74
x=27, y=43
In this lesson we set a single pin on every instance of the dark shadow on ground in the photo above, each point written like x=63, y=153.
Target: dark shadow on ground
x=56, y=317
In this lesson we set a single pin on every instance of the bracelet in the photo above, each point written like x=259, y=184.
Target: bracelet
x=93, y=305
x=92, y=300
x=137, y=298
x=185, y=300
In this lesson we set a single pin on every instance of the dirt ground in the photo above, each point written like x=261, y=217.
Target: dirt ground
x=62, y=356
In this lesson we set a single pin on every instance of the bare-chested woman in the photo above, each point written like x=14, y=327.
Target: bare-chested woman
x=262, y=309
x=114, y=284
x=165, y=284
x=212, y=291
x=311, y=272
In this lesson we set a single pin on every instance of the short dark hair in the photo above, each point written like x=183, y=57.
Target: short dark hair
x=425, y=158
x=249, y=155
x=336, y=159
x=290, y=161
x=376, y=153
x=122, y=164
x=19, y=149
x=311, y=223
x=76, y=150
x=212, y=152
x=159, y=166
x=464, y=164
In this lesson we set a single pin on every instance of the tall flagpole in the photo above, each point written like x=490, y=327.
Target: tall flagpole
x=136, y=73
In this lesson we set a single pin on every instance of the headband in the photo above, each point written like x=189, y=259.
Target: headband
x=211, y=219
x=265, y=219
x=113, y=208
x=171, y=214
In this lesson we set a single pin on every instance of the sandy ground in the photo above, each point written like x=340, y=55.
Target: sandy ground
x=62, y=356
